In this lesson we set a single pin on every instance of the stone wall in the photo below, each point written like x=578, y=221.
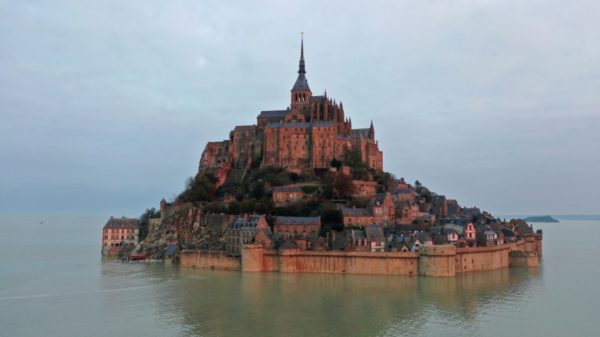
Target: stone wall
x=255, y=258
x=435, y=260
x=524, y=259
x=481, y=258
x=208, y=259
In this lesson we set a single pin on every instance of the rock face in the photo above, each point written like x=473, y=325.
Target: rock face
x=188, y=226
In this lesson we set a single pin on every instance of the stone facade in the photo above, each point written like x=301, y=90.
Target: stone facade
x=383, y=208
x=407, y=212
x=243, y=230
x=307, y=135
x=119, y=233
x=296, y=226
x=357, y=217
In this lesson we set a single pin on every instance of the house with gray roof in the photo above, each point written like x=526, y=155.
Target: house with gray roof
x=357, y=216
x=375, y=238
x=243, y=231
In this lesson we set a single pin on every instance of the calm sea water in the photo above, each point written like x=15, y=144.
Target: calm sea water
x=54, y=283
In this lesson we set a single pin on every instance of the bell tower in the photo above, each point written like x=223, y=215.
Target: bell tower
x=301, y=93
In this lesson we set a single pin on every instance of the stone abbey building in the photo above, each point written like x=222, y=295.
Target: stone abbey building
x=305, y=136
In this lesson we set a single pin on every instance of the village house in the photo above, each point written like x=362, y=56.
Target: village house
x=296, y=226
x=452, y=235
x=264, y=237
x=486, y=237
x=499, y=237
x=354, y=217
x=403, y=185
x=375, y=238
x=509, y=235
x=398, y=243
x=470, y=234
x=243, y=230
x=119, y=233
x=283, y=195
x=406, y=212
x=402, y=194
x=357, y=241
x=383, y=208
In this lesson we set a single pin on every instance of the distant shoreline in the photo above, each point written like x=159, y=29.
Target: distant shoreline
x=541, y=218
x=582, y=217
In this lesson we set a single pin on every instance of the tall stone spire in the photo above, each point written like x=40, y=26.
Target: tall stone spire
x=301, y=93
x=301, y=82
x=371, y=134
x=301, y=65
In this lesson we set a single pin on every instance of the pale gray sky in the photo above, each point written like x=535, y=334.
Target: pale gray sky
x=105, y=106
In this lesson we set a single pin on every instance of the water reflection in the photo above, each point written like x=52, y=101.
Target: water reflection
x=216, y=303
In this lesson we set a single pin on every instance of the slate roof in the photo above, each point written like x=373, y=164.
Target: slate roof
x=360, y=132
x=455, y=220
x=273, y=113
x=448, y=228
x=245, y=127
x=347, y=211
x=298, y=220
x=301, y=84
x=508, y=233
x=241, y=222
x=300, y=124
x=121, y=223
x=379, y=198
x=374, y=233
x=287, y=189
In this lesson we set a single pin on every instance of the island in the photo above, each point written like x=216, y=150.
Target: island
x=303, y=190
x=544, y=218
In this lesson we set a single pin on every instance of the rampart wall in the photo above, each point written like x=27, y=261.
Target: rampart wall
x=435, y=260
x=481, y=258
x=208, y=259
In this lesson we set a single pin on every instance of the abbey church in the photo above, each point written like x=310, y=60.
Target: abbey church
x=307, y=135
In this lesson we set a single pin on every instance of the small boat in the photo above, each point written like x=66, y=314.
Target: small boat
x=140, y=257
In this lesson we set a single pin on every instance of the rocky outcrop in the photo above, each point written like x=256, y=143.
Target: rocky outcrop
x=189, y=227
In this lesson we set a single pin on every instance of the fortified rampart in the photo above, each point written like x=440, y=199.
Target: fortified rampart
x=435, y=260
x=481, y=258
x=208, y=259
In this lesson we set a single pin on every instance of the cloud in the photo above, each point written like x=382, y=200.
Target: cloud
x=492, y=102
